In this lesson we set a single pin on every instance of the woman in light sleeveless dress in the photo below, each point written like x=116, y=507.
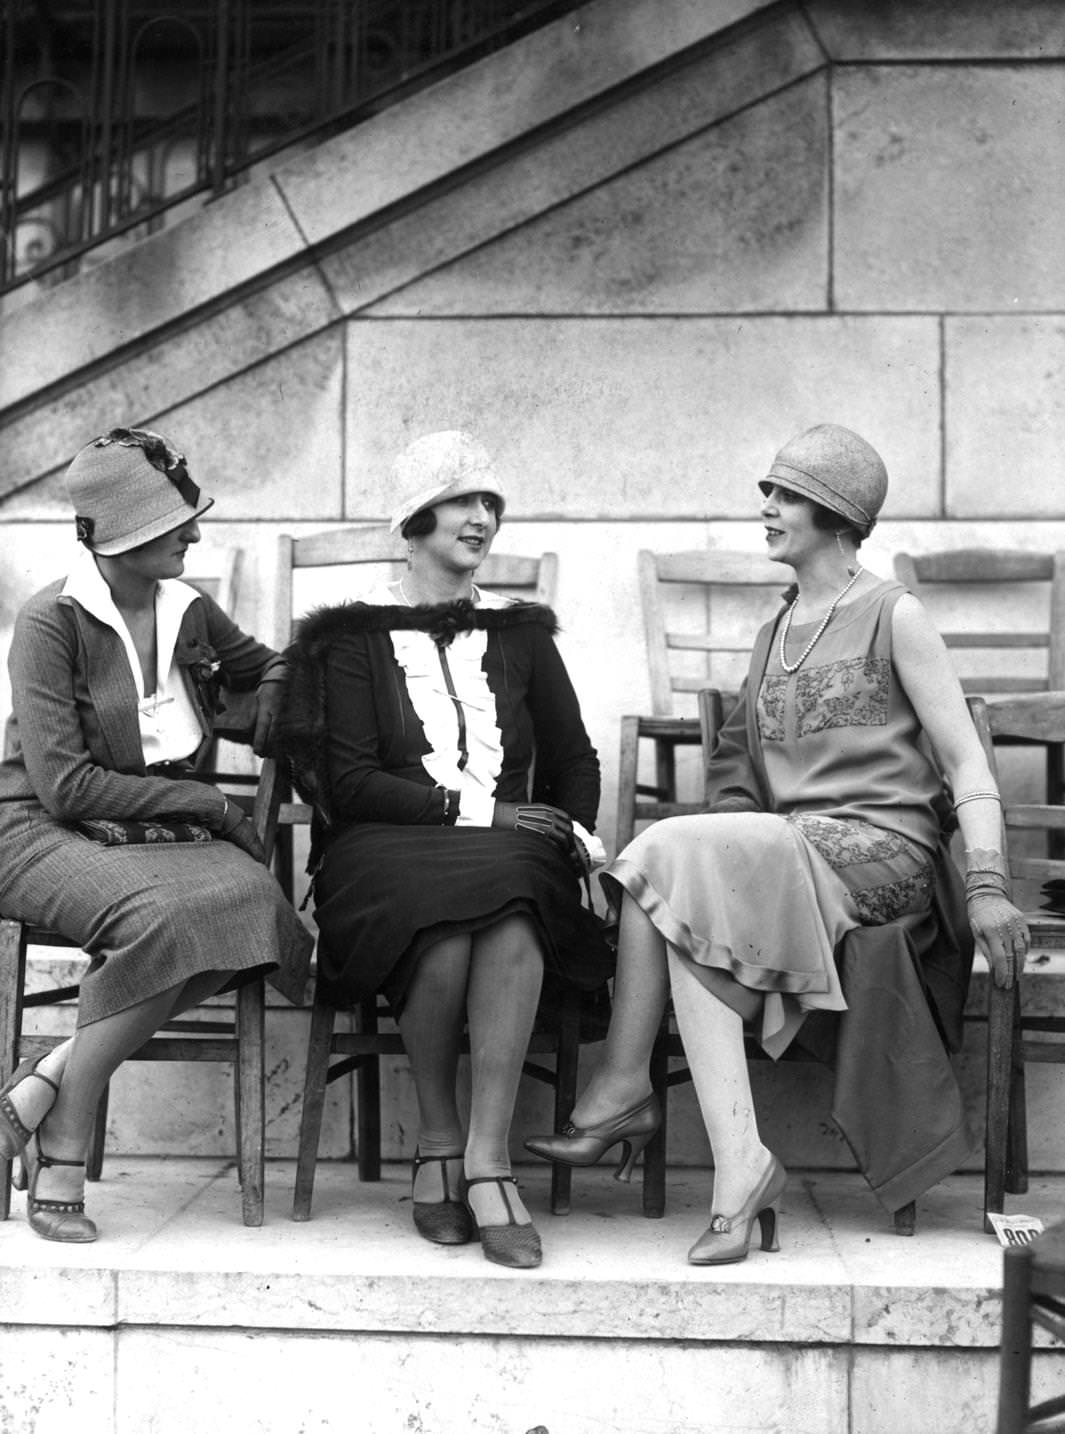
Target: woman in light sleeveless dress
x=827, y=784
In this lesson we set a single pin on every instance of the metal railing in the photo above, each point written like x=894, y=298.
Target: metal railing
x=116, y=113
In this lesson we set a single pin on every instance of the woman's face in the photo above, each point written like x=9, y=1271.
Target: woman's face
x=163, y=557
x=464, y=530
x=790, y=531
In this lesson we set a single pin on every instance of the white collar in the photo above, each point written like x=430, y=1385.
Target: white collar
x=86, y=585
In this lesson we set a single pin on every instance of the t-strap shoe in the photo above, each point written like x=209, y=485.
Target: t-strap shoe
x=446, y=1221
x=62, y=1220
x=516, y=1246
x=14, y=1133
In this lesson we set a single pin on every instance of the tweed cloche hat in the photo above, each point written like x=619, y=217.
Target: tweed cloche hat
x=129, y=486
x=835, y=468
x=443, y=465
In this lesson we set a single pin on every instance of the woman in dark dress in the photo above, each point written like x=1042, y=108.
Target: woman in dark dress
x=446, y=861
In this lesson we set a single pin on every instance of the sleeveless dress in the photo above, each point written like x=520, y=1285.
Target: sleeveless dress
x=847, y=836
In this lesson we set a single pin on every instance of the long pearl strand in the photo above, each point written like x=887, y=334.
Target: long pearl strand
x=790, y=667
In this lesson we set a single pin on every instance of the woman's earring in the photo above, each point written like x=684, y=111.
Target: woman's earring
x=843, y=553
x=410, y=553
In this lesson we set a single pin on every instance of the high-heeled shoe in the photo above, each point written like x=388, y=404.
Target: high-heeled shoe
x=632, y=1129
x=516, y=1246
x=61, y=1220
x=727, y=1239
x=13, y=1133
x=446, y=1221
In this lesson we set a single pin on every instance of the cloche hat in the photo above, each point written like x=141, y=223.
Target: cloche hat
x=129, y=486
x=835, y=468
x=438, y=466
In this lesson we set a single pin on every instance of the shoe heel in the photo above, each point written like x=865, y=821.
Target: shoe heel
x=19, y=1179
x=630, y=1150
x=767, y=1220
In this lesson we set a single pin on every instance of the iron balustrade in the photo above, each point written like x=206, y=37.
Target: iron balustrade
x=116, y=114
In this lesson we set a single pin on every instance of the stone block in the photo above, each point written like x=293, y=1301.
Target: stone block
x=677, y=138
x=940, y=173
x=265, y=433
x=731, y=219
x=1005, y=416
x=448, y=126
x=53, y=1381
x=960, y=30
x=73, y=324
x=902, y=1391
x=478, y=1386
x=665, y=419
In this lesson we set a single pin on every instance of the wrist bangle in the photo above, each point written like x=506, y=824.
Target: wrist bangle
x=989, y=796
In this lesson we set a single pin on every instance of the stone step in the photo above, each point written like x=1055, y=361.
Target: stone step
x=180, y=1320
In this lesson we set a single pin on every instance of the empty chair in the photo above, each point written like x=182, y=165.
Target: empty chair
x=701, y=610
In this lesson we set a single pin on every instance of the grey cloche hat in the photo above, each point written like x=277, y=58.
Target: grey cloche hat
x=129, y=486
x=835, y=468
x=438, y=466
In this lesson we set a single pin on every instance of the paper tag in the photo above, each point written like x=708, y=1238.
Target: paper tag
x=1015, y=1229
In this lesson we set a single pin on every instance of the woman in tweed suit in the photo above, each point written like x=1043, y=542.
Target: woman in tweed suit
x=103, y=836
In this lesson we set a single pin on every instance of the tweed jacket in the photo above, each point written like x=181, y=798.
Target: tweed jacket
x=73, y=748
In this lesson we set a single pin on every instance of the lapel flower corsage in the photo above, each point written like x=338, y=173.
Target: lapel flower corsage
x=200, y=661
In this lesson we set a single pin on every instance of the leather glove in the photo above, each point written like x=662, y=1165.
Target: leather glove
x=1000, y=930
x=267, y=709
x=236, y=827
x=551, y=822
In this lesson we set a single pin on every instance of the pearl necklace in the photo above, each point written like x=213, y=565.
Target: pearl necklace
x=790, y=667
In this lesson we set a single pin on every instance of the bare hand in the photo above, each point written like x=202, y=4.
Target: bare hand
x=1002, y=935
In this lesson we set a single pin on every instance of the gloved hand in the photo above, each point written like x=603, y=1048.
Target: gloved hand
x=267, y=709
x=551, y=822
x=1000, y=930
x=238, y=828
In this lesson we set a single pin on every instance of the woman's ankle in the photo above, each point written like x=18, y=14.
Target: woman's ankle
x=608, y=1095
x=495, y=1203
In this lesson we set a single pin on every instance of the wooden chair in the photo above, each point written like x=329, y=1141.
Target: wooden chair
x=1014, y=1038
x=360, y=1051
x=701, y=611
x=237, y=1039
x=968, y=585
x=1033, y=1293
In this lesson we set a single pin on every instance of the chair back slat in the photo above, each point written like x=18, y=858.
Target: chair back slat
x=1036, y=717
x=531, y=578
x=978, y=581
x=701, y=611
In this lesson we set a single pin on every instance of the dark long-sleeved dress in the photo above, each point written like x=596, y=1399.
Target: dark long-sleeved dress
x=150, y=916
x=389, y=709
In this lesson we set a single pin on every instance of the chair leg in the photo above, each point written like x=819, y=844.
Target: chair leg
x=1015, y=1360
x=318, y=1042
x=654, y=1155
x=566, y=1059
x=94, y=1156
x=1001, y=1032
x=12, y=985
x=666, y=769
x=1017, y=1145
x=251, y=1077
x=368, y=1100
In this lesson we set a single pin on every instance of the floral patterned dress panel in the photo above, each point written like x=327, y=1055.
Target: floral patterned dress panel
x=887, y=875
